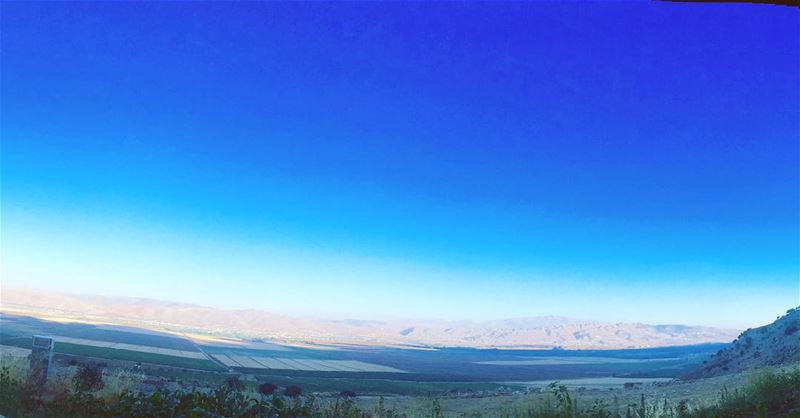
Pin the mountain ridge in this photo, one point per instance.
(527, 332)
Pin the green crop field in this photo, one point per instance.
(379, 386)
(115, 354)
(137, 356)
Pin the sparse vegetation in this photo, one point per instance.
(89, 377)
(770, 394)
(82, 397)
(234, 383)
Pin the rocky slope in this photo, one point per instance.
(771, 345)
(537, 332)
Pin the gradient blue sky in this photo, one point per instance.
(614, 161)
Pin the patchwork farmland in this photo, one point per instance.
(282, 363)
(279, 363)
(87, 340)
(132, 347)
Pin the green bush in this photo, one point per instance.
(769, 394)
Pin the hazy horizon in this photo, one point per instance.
(450, 161)
(126, 298)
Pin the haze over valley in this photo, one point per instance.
(536, 332)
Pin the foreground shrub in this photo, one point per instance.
(266, 389)
(18, 399)
(347, 394)
(770, 394)
(89, 377)
(10, 404)
(293, 391)
(234, 383)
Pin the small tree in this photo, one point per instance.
(347, 394)
(292, 391)
(266, 389)
(234, 383)
(88, 377)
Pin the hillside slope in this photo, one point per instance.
(774, 344)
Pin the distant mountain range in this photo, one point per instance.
(535, 332)
(771, 345)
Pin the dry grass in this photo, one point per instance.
(17, 366)
(118, 382)
(14, 351)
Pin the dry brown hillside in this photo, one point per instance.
(774, 344)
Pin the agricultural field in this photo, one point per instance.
(598, 382)
(465, 365)
(9, 351)
(131, 347)
(372, 370)
(570, 360)
(277, 363)
(26, 325)
(91, 341)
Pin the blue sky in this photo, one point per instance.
(611, 161)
